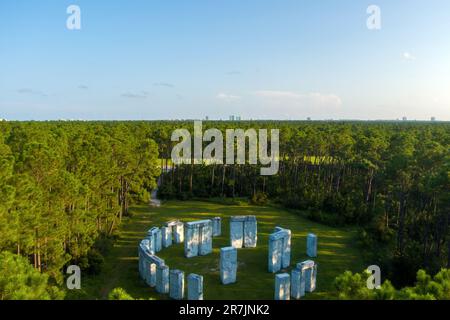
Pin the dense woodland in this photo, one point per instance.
(390, 178)
(65, 186)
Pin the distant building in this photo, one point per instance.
(235, 118)
(206, 118)
(405, 119)
(308, 119)
(433, 118)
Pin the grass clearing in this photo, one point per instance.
(337, 252)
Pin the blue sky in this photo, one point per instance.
(173, 59)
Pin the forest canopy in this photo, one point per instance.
(66, 186)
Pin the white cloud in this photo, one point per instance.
(408, 56)
(132, 95)
(227, 97)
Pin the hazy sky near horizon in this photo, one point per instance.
(260, 59)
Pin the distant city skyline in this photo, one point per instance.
(253, 59)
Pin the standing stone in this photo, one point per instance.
(195, 287)
(237, 231)
(143, 250)
(151, 237)
(275, 252)
(311, 245)
(158, 241)
(310, 281)
(146, 245)
(198, 238)
(151, 281)
(178, 232)
(228, 265)
(282, 286)
(297, 284)
(153, 262)
(279, 249)
(309, 272)
(155, 236)
(205, 235)
(286, 255)
(166, 233)
(217, 226)
(243, 231)
(191, 240)
(250, 232)
(176, 280)
(162, 279)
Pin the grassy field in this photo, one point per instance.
(336, 253)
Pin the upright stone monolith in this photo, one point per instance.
(282, 286)
(198, 238)
(309, 272)
(176, 280)
(166, 234)
(228, 265)
(178, 232)
(279, 249)
(275, 251)
(154, 234)
(297, 284)
(205, 235)
(250, 232)
(311, 245)
(237, 231)
(243, 231)
(162, 279)
(217, 226)
(195, 287)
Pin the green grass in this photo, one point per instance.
(336, 253)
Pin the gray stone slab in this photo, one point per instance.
(155, 235)
(162, 279)
(158, 241)
(166, 233)
(217, 226)
(286, 257)
(177, 228)
(228, 265)
(279, 250)
(191, 240)
(310, 279)
(250, 232)
(198, 238)
(275, 254)
(195, 287)
(237, 232)
(178, 232)
(311, 245)
(309, 272)
(282, 286)
(297, 284)
(205, 235)
(176, 279)
(151, 262)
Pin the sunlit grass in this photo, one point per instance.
(336, 252)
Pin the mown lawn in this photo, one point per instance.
(336, 253)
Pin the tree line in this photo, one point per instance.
(390, 178)
(65, 187)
